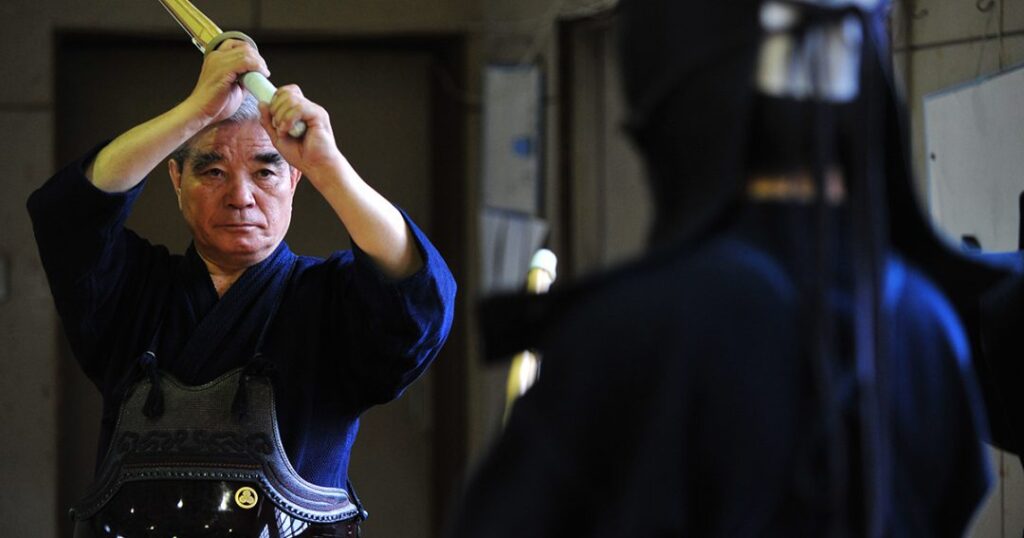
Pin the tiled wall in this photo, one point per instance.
(942, 43)
(27, 320)
(28, 333)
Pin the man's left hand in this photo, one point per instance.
(372, 221)
(317, 149)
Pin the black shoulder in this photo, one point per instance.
(698, 303)
(922, 314)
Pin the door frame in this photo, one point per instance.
(448, 177)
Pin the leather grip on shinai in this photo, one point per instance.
(255, 82)
(263, 90)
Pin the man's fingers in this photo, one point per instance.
(249, 60)
(292, 89)
(286, 120)
(277, 102)
(289, 106)
(239, 57)
(284, 101)
(284, 97)
(283, 118)
(254, 62)
(229, 44)
(268, 124)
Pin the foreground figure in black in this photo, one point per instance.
(777, 364)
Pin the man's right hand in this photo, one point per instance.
(218, 93)
(126, 161)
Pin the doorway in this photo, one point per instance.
(397, 126)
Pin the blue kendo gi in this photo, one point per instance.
(676, 399)
(997, 325)
(344, 337)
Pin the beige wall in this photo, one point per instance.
(28, 332)
(28, 336)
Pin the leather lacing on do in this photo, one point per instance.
(257, 367)
(154, 405)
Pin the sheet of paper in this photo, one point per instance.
(974, 136)
(509, 240)
(512, 137)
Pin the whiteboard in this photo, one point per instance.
(974, 139)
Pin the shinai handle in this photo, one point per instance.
(263, 90)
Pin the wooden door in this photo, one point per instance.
(381, 105)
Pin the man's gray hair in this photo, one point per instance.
(249, 110)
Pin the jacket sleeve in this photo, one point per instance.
(395, 327)
(83, 246)
(938, 405)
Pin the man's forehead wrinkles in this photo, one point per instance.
(235, 145)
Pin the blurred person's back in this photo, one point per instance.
(775, 365)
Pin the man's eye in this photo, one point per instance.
(213, 172)
(266, 173)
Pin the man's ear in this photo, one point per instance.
(175, 172)
(296, 176)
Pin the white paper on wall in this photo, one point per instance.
(509, 240)
(974, 136)
(512, 137)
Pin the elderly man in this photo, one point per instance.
(233, 376)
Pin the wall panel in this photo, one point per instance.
(28, 391)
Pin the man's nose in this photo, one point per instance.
(239, 195)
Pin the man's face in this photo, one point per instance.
(235, 192)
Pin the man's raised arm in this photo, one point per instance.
(374, 224)
(123, 163)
